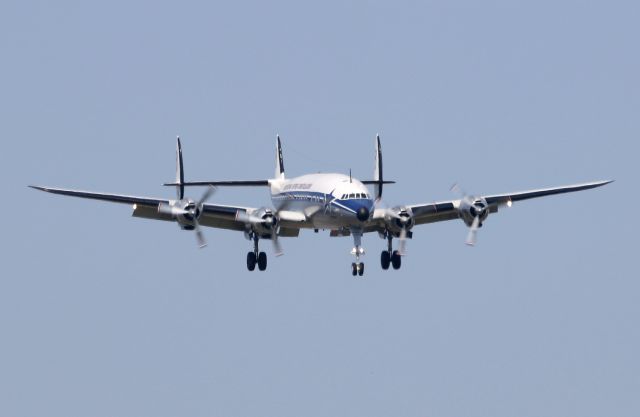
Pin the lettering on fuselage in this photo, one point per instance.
(290, 187)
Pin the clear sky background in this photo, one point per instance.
(105, 315)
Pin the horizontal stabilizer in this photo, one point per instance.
(374, 182)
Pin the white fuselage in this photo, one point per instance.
(328, 201)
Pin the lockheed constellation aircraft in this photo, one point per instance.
(335, 202)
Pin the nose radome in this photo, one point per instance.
(363, 214)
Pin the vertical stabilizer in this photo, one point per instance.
(179, 172)
(279, 160)
(377, 174)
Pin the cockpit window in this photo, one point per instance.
(352, 196)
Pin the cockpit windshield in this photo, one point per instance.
(355, 196)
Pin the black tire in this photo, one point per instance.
(396, 260)
(262, 261)
(251, 261)
(361, 269)
(354, 269)
(385, 260)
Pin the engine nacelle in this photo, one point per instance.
(264, 222)
(399, 218)
(471, 208)
(185, 212)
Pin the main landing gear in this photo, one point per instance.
(390, 257)
(256, 257)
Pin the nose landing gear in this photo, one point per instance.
(357, 268)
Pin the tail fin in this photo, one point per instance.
(179, 171)
(279, 160)
(377, 174)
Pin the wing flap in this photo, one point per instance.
(434, 212)
(149, 212)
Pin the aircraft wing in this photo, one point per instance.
(447, 210)
(218, 216)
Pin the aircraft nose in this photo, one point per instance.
(363, 214)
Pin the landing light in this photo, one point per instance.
(509, 203)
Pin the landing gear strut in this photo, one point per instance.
(390, 257)
(357, 268)
(256, 257)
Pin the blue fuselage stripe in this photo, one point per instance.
(349, 205)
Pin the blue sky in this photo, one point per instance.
(105, 315)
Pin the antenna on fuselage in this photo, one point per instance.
(350, 178)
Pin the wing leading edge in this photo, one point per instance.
(213, 215)
(447, 210)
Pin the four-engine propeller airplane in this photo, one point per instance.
(335, 202)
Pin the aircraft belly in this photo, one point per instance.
(329, 221)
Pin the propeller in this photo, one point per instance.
(476, 211)
(403, 222)
(269, 222)
(191, 211)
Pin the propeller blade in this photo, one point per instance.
(403, 242)
(202, 242)
(473, 231)
(392, 213)
(455, 188)
(207, 194)
(277, 248)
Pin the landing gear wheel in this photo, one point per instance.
(396, 260)
(385, 260)
(361, 269)
(262, 261)
(251, 261)
(354, 269)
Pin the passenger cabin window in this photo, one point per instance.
(352, 196)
